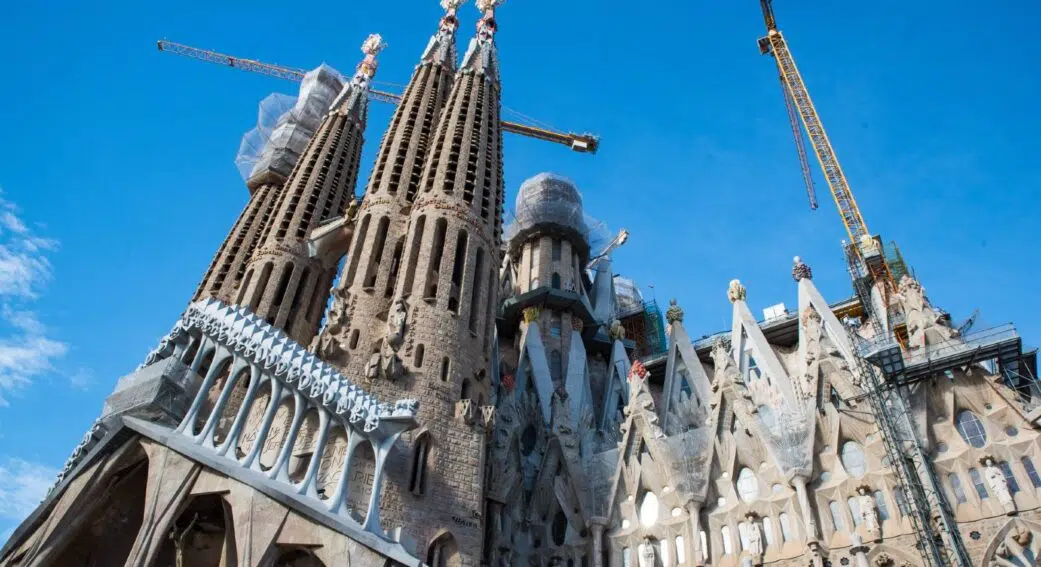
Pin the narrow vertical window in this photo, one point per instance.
(556, 249)
(265, 275)
(854, 510)
(299, 293)
(555, 366)
(417, 480)
(627, 557)
(359, 245)
(768, 530)
(555, 281)
(419, 356)
(464, 391)
(880, 501)
(446, 366)
(354, 339)
(977, 481)
(376, 254)
(395, 267)
(437, 252)
(959, 494)
(836, 515)
(1035, 479)
(786, 527)
(413, 257)
(681, 551)
(242, 289)
(475, 291)
(457, 271)
(728, 545)
(1013, 484)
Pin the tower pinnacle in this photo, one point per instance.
(357, 89)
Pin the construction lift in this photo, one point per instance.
(582, 143)
(872, 269)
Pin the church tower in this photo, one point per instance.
(266, 183)
(363, 296)
(282, 283)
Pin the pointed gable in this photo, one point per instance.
(533, 366)
(686, 396)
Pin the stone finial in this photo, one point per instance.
(801, 271)
(674, 313)
(451, 6)
(373, 44)
(638, 371)
(736, 292)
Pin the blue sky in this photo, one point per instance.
(118, 178)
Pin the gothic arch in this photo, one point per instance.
(443, 551)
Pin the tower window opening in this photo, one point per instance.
(1028, 465)
(354, 339)
(417, 480)
(395, 267)
(265, 275)
(419, 356)
(319, 298)
(437, 251)
(464, 391)
(280, 292)
(977, 481)
(372, 270)
(959, 494)
(363, 232)
(243, 287)
(446, 367)
(475, 291)
(555, 281)
(457, 271)
(413, 257)
(298, 294)
(556, 249)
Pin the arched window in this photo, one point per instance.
(836, 515)
(786, 527)
(728, 545)
(880, 501)
(1010, 478)
(443, 552)
(971, 429)
(627, 557)
(418, 476)
(853, 459)
(663, 548)
(1035, 479)
(854, 510)
(681, 552)
(959, 494)
(354, 339)
(464, 392)
(555, 281)
(977, 481)
(419, 356)
(743, 535)
(556, 249)
(446, 366)
(747, 485)
(768, 530)
(559, 528)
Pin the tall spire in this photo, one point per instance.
(357, 321)
(283, 284)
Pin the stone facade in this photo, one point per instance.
(475, 402)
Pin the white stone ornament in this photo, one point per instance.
(999, 485)
(646, 553)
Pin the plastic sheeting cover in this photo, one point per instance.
(285, 125)
(628, 298)
(549, 198)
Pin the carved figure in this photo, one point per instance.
(998, 485)
(392, 366)
(811, 337)
(755, 539)
(736, 291)
(372, 369)
(645, 553)
(617, 332)
(924, 325)
(869, 513)
(726, 373)
(396, 320)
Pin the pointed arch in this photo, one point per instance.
(420, 457)
(443, 551)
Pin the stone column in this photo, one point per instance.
(859, 552)
(694, 509)
(799, 482)
(596, 528)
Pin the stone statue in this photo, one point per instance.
(736, 292)
(869, 513)
(372, 369)
(617, 332)
(726, 373)
(811, 337)
(924, 325)
(998, 485)
(396, 323)
(645, 553)
(755, 539)
(391, 364)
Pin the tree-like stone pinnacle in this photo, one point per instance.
(801, 271)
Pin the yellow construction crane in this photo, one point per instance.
(582, 143)
(865, 248)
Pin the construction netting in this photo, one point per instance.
(550, 199)
(285, 124)
(628, 299)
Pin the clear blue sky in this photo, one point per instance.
(119, 183)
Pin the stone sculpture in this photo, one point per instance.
(924, 325)
(617, 332)
(998, 485)
(755, 539)
(736, 292)
(869, 513)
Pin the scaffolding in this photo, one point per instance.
(642, 320)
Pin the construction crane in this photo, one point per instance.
(939, 540)
(582, 143)
(621, 238)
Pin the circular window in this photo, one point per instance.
(1011, 431)
(721, 502)
(853, 459)
(971, 429)
(676, 512)
(625, 524)
(747, 485)
(941, 447)
(777, 489)
(528, 440)
(649, 510)
(825, 477)
(988, 407)
(559, 528)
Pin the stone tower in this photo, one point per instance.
(363, 297)
(282, 283)
(441, 322)
(266, 183)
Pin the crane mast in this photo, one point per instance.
(939, 539)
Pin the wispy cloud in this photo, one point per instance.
(23, 485)
(26, 349)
